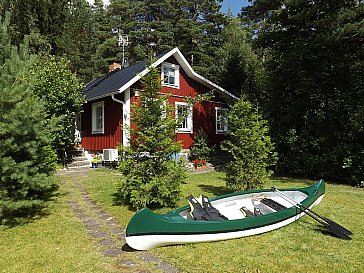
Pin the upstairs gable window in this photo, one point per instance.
(170, 75)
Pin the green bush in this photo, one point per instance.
(249, 147)
(60, 89)
(149, 183)
(26, 157)
(200, 149)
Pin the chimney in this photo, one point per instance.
(113, 66)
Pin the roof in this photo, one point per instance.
(118, 81)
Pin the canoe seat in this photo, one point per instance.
(272, 204)
(204, 211)
(197, 212)
(214, 212)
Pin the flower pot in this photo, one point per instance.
(200, 167)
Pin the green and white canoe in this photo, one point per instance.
(147, 229)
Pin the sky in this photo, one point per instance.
(235, 5)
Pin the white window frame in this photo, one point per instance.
(175, 67)
(189, 128)
(94, 118)
(218, 120)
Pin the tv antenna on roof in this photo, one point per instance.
(123, 41)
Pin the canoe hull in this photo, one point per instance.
(146, 242)
(173, 229)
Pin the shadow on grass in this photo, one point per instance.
(127, 248)
(283, 179)
(13, 221)
(10, 218)
(316, 227)
(215, 190)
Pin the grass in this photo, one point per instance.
(54, 243)
(303, 246)
(59, 243)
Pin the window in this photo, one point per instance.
(221, 120)
(170, 75)
(98, 118)
(183, 109)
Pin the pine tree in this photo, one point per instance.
(41, 20)
(106, 35)
(201, 50)
(152, 178)
(240, 70)
(314, 68)
(78, 40)
(26, 156)
(157, 27)
(250, 148)
(151, 29)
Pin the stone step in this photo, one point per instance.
(79, 163)
(79, 167)
(79, 158)
(74, 153)
(74, 170)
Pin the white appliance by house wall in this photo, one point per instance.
(110, 155)
(126, 117)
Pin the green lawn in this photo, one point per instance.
(58, 242)
(54, 243)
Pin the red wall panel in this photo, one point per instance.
(112, 122)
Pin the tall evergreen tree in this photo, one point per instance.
(41, 20)
(116, 20)
(106, 37)
(26, 156)
(315, 53)
(240, 70)
(258, 18)
(151, 177)
(206, 37)
(78, 40)
(156, 27)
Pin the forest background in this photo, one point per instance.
(300, 62)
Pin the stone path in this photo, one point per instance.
(109, 238)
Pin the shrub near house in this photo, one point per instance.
(150, 178)
(250, 148)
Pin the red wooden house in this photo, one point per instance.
(109, 99)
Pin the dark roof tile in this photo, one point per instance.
(112, 81)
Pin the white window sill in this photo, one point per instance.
(97, 132)
(181, 131)
(170, 85)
